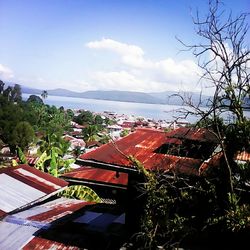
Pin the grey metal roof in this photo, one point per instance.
(14, 236)
(23, 186)
(63, 224)
(15, 194)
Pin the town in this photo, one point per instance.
(75, 178)
(74, 175)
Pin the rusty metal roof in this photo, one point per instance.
(193, 134)
(63, 224)
(243, 156)
(23, 185)
(143, 144)
(97, 175)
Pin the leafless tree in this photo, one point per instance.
(224, 59)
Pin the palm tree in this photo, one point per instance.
(44, 94)
(90, 133)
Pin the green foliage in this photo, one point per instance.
(90, 133)
(70, 113)
(53, 168)
(21, 156)
(52, 149)
(237, 136)
(44, 94)
(98, 120)
(85, 117)
(124, 132)
(35, 99)
(23, 135)
(40, 164)
(16, 93)
(81, 193)
(177, 209)
(10, 115)
(235, 219)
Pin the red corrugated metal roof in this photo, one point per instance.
(35, 178)
(193, 134)
(243, 156)
(25, 185)
(143, 144)
(98, 175)
(59, 210)
(32, 160)
(214, 161)
(38, 243)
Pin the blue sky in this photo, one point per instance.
(101, 44)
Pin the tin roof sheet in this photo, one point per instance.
(23, 185)
(143, 144)
(62, 224)
(14, 236)
(243, 156)
(194, 134)
(98, 175)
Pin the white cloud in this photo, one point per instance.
(120, 48)
(121, 80)
(142, 74)
(131, 55)
(5, 73)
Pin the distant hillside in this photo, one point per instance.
(167, 97)
(173, 98)
(124, 96)
(64, 92)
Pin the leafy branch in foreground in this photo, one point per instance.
(80, 192)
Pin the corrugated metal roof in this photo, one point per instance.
(143, 144)
(14, 236)
(23, 185)
(45, 214)
(63, 224)
(243, 156)
(18, 231)
(38, 243)
(194, 134)
(97, 175)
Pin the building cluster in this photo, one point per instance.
(33, 216)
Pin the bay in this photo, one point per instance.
(150, 111)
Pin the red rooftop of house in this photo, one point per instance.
(147, 146)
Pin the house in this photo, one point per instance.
(114, 131)
(109, 171)
(33, 217)
(74, 142)
(182, 150)
(23, 186)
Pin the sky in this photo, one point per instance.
(83, 45)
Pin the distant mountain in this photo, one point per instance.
(64, 92)
(174, 97)
(167, 97)
(123, 96)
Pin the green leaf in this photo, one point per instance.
(53, 164)
(40, 162)
(81, 192)
(21, 156)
